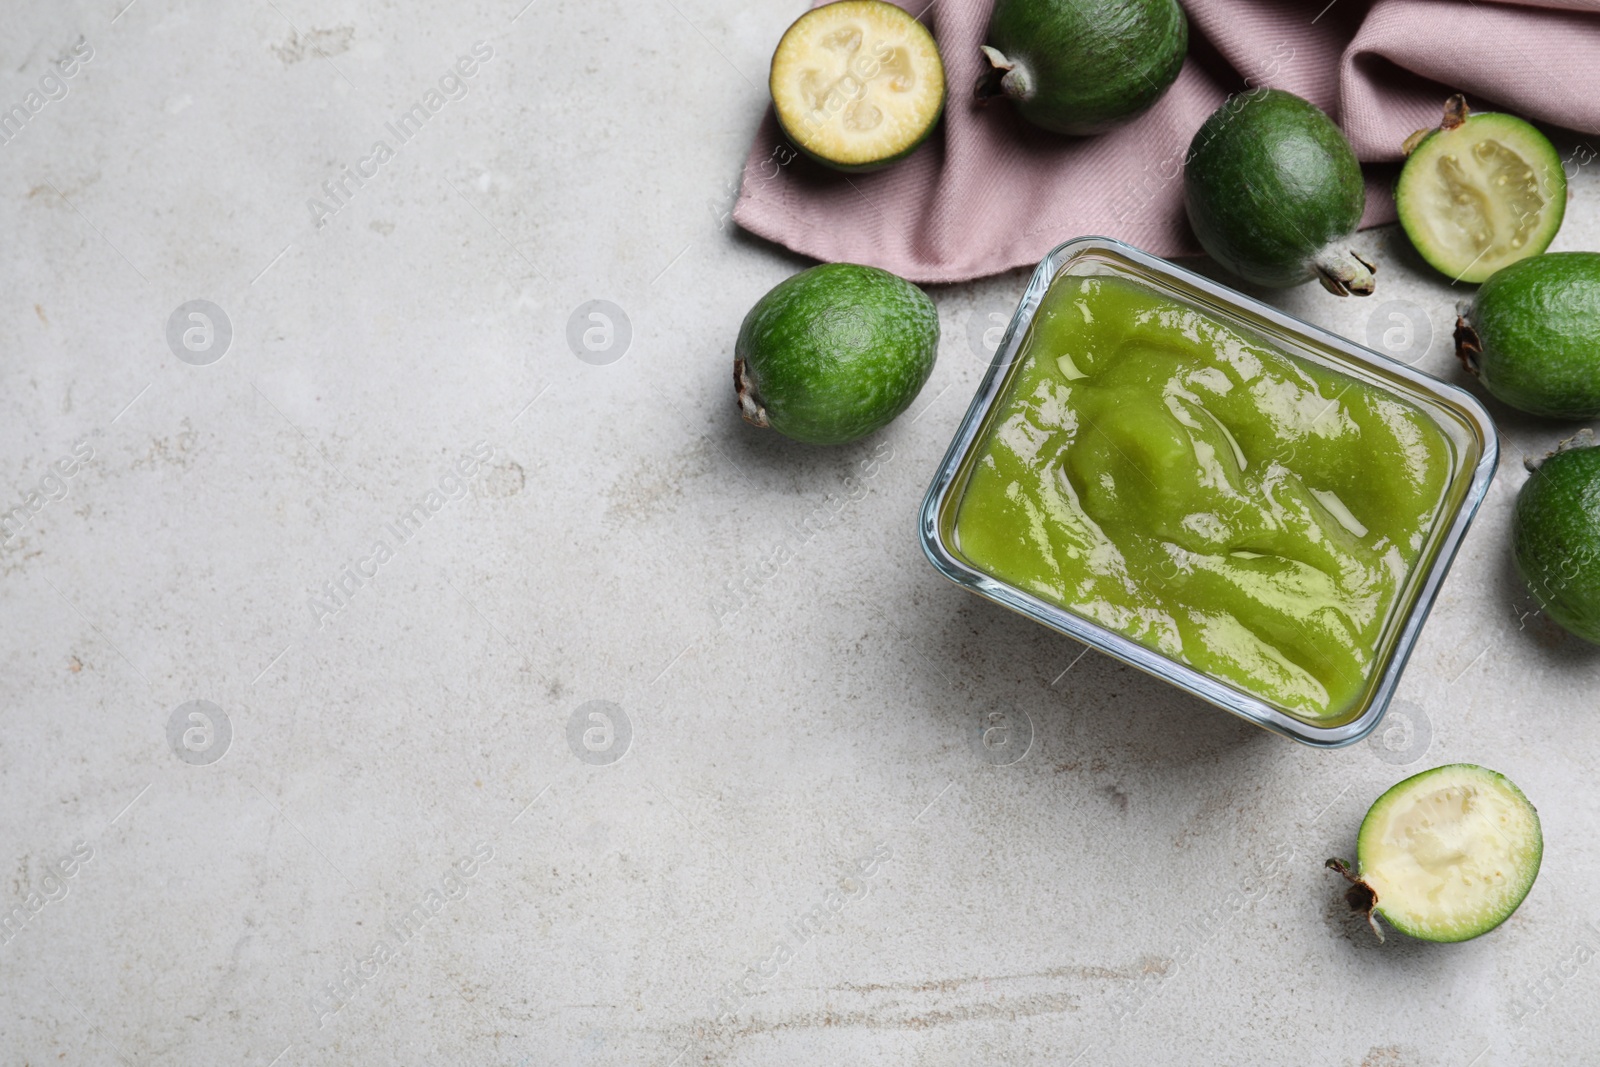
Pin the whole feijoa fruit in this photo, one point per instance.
(1274, 192)
(1530, 335)
(1555, 538)
(1083, 66)
(1446, 855)
(1480, 192)
(834, 353)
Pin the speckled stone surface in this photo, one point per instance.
(553, 716)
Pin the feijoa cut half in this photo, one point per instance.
(1530, 333)
(834, 353)
(1446, 855)
(1083, 66)
(1480, 192)
(1274, 192)
(1555, 538)
(857, 84)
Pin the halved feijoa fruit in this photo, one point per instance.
(1083, 66)
(1274, 192)
(1480, 192)
(857, 84)
(1446, 855)
(834, 353)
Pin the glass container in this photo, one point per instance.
(1462, 419)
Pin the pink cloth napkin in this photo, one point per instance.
(989, 192)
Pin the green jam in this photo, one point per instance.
(1188, 485)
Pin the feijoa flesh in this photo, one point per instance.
(1083, 66)
(1446, 855)
(1532, 335)
(834, 353)
(1555, 538)
(1274, 193)
(857, 84)
(1480, 192)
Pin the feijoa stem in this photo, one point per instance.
(1584, 438)
(749, 404)
(1468, 345)
(1344, 273)
(1455, 113)
(1005, 77)
(1360, 896)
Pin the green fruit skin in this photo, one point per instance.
(1378, 805)
(1093, 64)
(837, 351)
(1538, 322)
(1269, 183)
(1555, 538)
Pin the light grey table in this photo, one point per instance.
(804, 854)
